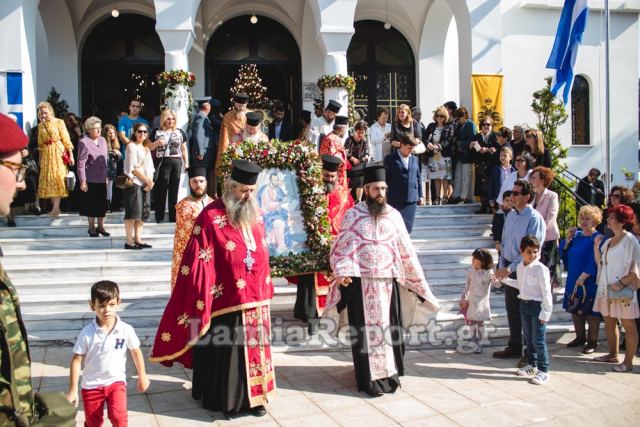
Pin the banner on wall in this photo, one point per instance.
(486, 98)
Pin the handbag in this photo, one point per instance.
(123, 182)
(580, 304)
(70, 181)
(66, 157)
(624, 295)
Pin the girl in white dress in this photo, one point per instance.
(474, 301)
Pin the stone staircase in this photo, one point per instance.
(53, 263)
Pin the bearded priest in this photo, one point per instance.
(375, 267)
(218, 320)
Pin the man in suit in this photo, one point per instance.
(279, 129)
(591, 189)
(403, 179)
(201, 132)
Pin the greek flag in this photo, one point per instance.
(565, 48)
(11, 94)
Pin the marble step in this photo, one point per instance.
(78, 231)
(161, 270)
(64, 220)
(76, 256)
(58, 243)
(448, 220)
(469, 243)
(448, 209)
(426, 232)
(430, 257)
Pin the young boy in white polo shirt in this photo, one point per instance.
(536, 305)
(102, 345)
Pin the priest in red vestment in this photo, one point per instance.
(312, 289)
(375, 267)
(217, 320)
(187, 210)
(333, 145)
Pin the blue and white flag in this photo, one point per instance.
(11, 95)
(565, 48)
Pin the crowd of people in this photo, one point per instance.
(217, 320)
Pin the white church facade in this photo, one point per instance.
(419, 52)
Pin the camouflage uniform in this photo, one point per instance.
(16, 395)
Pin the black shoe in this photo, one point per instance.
(103, 232)
(159, 221)
(142, 245)
(259, 411)
(35, 210)
(11, 222)
(508, 353)
(93, 233)
(312, 328)
(590, 347)
(128, 246)
(454, 201)
(576, 342)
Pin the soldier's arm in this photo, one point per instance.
(74, 377)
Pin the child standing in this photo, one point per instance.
(102, 345)
(475, 297)
(536, 305)
(497, 224)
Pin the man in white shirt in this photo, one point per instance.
(323, 125)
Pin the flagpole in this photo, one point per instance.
(607, 125)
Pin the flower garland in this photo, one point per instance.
(303, 159)
(346, 82)
(169, 82)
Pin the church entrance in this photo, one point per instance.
(121, 58)
(381, 62)
(267, 44)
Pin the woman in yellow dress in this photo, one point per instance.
(53, 141)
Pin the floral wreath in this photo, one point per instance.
(302, 158)
(346, 82)
(169, 82)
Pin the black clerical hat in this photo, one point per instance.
(306, 115)
(245, 172)
(254, 118)
(334, 106)
(195, 171)
(330, 163)
(342, 120)
(375, 173)
(241, 98)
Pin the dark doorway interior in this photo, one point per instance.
(267, 44)
(120, 60)
(382, 63)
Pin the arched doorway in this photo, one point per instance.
(120, 60)
(267, 44)
(382, 63)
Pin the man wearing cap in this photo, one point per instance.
(333, 145)
(232, 123)
(312, 289)
(323, 125)
(217, 320)
(252, 130)
(317, 108)
(187, 210)
(201, 134)
(375, 266)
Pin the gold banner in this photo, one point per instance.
(486, 98)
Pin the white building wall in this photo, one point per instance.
(311, 55)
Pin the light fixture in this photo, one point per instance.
(115, 12)
(253, 19)
(387, 25)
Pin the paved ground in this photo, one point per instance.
(440, 388)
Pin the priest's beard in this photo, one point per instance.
(198, 193)
(377, 205)
(241, 213)
(329, 187)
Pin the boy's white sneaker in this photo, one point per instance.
(541, 378)
(526, 370)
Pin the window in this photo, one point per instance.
(580, 134)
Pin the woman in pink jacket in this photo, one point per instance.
(547, 205)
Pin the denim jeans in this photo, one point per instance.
(534, 333)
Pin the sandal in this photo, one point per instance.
(622, 368)
(607, 358)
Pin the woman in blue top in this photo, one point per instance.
(579, 256)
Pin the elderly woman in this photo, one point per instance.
(547, 205)
(404, 123)
(535, 145)
(92, 174)
(579, 257)
(438, 138)
(379, 134)
(619, 262)
(53, 144)
(138, 165)
(174, 158)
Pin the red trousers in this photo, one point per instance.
(93, 401)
